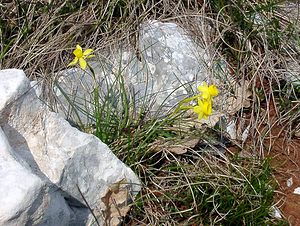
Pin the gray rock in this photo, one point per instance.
(66, 160)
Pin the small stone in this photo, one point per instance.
(289, 182)
(297, 191)
(245, 133)
(276, 212)
(231, 130)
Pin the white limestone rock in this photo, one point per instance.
(57, 152)
(25, 198)
(13, 87)
(297, 191)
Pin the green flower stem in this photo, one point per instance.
(96, 101)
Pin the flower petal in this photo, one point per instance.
(197, 109)
(213, 91)
(203, 87)
(73, 62)
(205, 95)
(200, 116)
(78, 53)
(207, 107)
(78, 47)
(82, 63)
(87, 52)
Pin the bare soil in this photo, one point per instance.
(283, 149)
(285, 162)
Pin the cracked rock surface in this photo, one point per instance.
(46, 166)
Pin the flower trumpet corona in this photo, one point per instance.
(203, 109)
(81, 56)
(208, 92)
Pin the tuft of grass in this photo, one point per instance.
(200, 189)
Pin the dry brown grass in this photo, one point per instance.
(38, 37)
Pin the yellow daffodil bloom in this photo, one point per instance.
(204, 101)
(203, 109)
(207, 92)
(81, 56)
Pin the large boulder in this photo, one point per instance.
(25, 198)
(79, 166)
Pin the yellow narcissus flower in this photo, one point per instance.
(203, 109)
(207, 92)
(204, 101)
(81, 56)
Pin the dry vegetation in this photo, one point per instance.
(258, 41)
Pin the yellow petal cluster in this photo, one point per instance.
(81, 56)
(208, 92)
(204, 100)
(203, 108)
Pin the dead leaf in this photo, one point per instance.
(191, 142)
(178, 147)
(116, 203)
(212, 120)
(240, 99)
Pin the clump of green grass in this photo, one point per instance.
(197, 187)
(201, 189)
